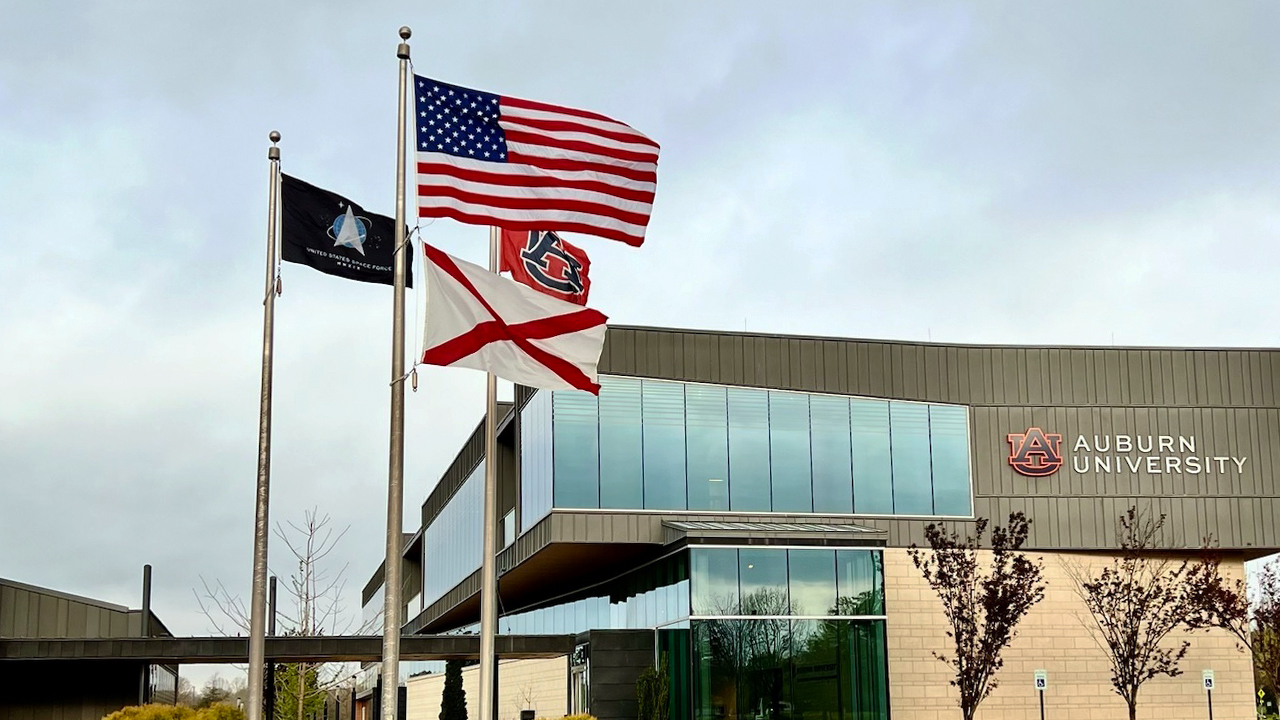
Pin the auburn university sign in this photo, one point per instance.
(1035, 453)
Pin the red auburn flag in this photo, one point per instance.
(488, 159)
(547, 263)
(480, 320)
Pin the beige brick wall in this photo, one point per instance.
(541, 685)
(1053, 637)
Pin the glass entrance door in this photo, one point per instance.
(578, 687)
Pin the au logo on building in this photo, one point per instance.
(1035, 453)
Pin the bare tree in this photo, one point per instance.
(1136, 602)
(314, 606)
(983, 608)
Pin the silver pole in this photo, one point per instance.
(488, 569)
(258, 600)
(395, 478)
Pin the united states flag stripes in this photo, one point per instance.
(488, 159)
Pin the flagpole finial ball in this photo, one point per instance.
(275, 136)
(405, 32)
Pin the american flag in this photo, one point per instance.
(489, 159)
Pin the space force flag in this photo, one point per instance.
(335, 236)
(547, 263)
(476, 319)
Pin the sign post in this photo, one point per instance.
(1207, 678)
(1042, 684)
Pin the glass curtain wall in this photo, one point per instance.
(660, 445)
(805, 638)
(455, 538)
(535, 460)
(748, 633)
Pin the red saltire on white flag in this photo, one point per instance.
(476, 319)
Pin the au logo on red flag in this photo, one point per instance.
(547, 263)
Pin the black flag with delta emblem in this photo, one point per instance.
(335, 236)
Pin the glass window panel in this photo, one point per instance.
(832, 454)
(749, 449)
(621, 461)
(535, 459)
(662, 408)
(715, 672)
(949, 444)
(792, 484)
(863, 670)
(682, 599)
(815, 662)
(872, 471)
(861, 582)
(575, 452)
(811, 577)
(912, 478)
(707, 417)
(509, 528)
(455, 536)
(714, 581)
(764, 664)
(674, 654)
(762, 578)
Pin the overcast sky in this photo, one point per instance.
(1083, 173)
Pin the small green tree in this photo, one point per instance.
(298, 692)
(653, 692)
(215, 691)
(453, 701)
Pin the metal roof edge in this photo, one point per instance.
(66, 596)
(924, 343)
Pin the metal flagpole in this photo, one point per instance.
(488, 574)
(258, 599)
(395, 477)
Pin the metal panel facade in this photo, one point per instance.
(30, 612)
(1220, 407)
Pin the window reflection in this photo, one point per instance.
(860, 582)
(662, 410)
(707, 433)
(786, 669)
(832, 454)
(872, 468)
(455, 538)
(535, 460)
(621, 463)
(575, 453)
(749, 449)
(812, 581)
(789, 460)
(762, 574)
(909, 439)
(715, 581)
(949, 444)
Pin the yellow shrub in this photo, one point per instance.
(220, 711)
(153, 712)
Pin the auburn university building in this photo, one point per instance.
(736, 509)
